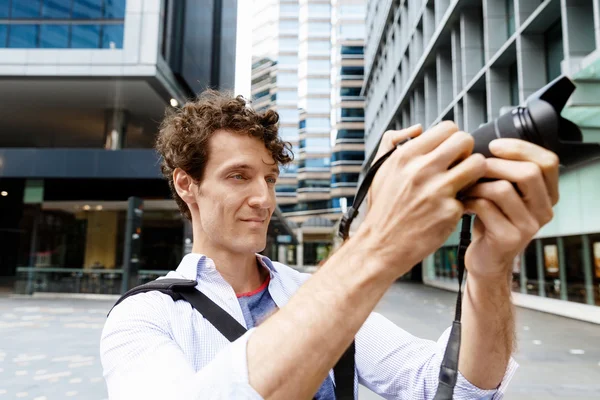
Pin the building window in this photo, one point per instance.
(352, 9)
(287, 115)
(54, 36)
(345, 177)
(510, 17)
(354, 50)
(350, 134)
(353, 113)
(319, 27)
(23, 36)
(319, 9)
(288, 8)
(318, 105)
(348, 155)
(313, 183)
(85, 36)
(316, 123)
(354, 72)
(350, 92)
(514, 85)
(315, 163)
(285, 189)
(554, 50)
(287, 79)
(62, 24)
(352, 31)
(315, 145)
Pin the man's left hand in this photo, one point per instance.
(506, 219)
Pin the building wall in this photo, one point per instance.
(471, 61)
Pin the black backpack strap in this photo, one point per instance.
(343, 372)
(219, 318)
(168, 286)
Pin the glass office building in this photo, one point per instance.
(83, 87)
(428, 61)
(308, 57)
(77, 24)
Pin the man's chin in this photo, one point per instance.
(253, 246)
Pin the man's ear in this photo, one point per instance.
(185, 186)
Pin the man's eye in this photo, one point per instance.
(272, 180)
(238, 177)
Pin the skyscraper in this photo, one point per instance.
(308, 59)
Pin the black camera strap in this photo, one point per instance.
(449, 368)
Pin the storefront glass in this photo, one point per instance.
(563, 268)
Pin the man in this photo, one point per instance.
(221, 160)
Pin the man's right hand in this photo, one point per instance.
(413, 205)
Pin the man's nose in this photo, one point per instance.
(261, 196)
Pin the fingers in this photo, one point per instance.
(391, 139)
(521, 150)
(431, 138)
(494, 221)
(530, 181)
(503, 194)
(466, 173)
(456, 148)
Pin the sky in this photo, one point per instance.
(243, 48)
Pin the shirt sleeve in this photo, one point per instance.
(142, 361)
(397, 365)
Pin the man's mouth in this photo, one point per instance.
(255, 220)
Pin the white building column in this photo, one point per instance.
(115, 129)
(299, 249)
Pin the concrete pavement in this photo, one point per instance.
(49, 348)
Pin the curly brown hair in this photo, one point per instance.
(184, 133)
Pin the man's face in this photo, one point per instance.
(237, 193)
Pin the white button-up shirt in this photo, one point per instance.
(155, 348)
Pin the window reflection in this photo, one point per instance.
(3, 35)
(23, 36)
(114, 9)
(85, 36)
(569, 266)
(54, 36)
(4, 8)
(87, 9)
(107, 33)
(25, 9)
(112, 36)
(58, 9)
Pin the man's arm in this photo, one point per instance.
(488, 332)
(309, 334)
(510, 210)
(414, 210)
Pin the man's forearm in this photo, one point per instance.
(291, 354)
(488, 331)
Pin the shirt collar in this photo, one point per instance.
(194, 264)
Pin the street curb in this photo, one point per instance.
(561, 308)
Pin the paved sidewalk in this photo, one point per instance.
(49, 347)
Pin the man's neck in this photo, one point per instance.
(241, 271)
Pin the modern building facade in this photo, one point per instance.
(471, 61)
(308, 57)
(84, 85)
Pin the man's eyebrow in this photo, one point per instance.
(274, 169)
